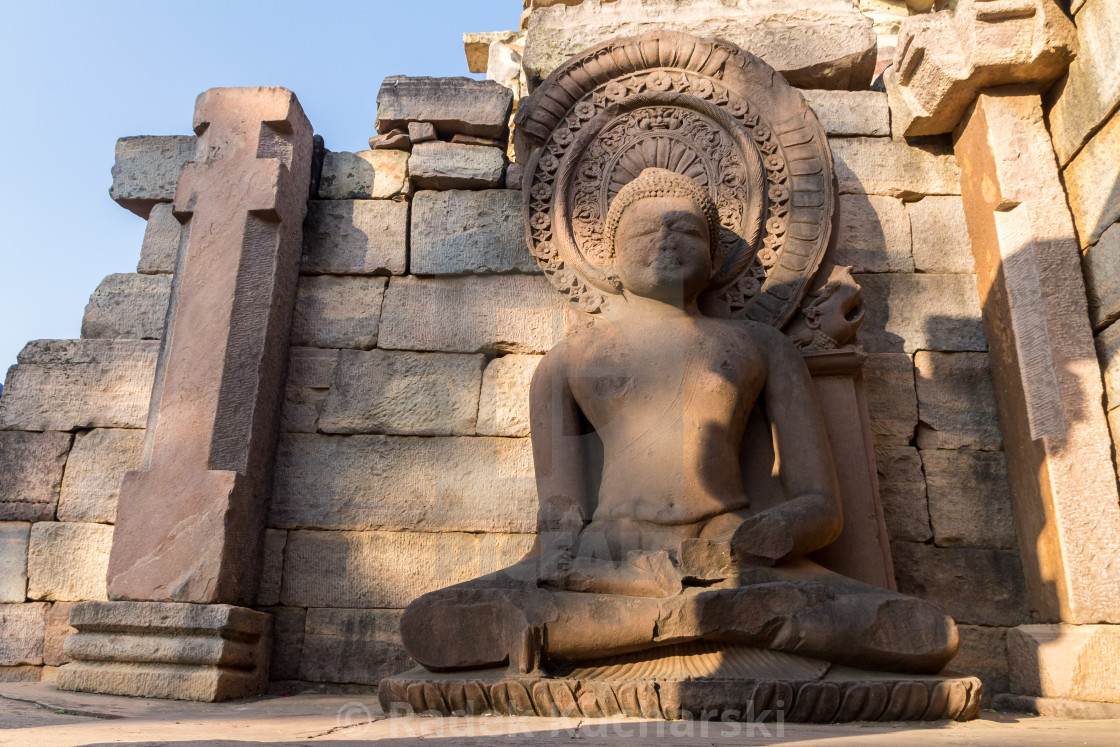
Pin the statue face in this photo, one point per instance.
(662, 249)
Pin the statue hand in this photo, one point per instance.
(763, 539)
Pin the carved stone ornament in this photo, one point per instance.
(700, 107)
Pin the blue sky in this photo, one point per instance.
(75, 76)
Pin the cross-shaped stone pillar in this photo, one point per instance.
(190, 524)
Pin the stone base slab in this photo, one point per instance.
(1056, 707)
(1066, 662)
(842, 695)
(204, 652)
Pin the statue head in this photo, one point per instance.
(662, 236)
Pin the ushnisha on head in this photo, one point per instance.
(662, 235)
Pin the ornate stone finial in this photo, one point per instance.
(655, 182)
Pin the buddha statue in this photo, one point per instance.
(647, 533)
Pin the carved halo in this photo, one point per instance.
(701, 107)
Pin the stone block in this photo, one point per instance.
(1091, 91)
(873, 234)
(146, 170)
(365, 569)
(21, 674)
(969, 500)
(453, 105)
(63, 385)
(68, 561)
(476, 46)
(365, 175)
(1101, 264)
(503, 407)
(984, 654)
(892, 401)
(94, 471)
(310, 373)
(880, 166)
(851, 113)
(439, 165)
(14, 536)
(128, 306)
(58, 629)
(203, 652)
(348, 645)
(23, 627)
(1108, 353)
(404, 393)
(973, 586)
(462, 231)
(956, 402)
(1075, 662)
(500, 314)
(906, 313)
(31, 467)
(400, 483)
(827, 45)
(160, 248)
(941, 243)
(338, 311)
(1091, 179)
(287, 641)
(272, 569)
(902, 490)
(355, 237)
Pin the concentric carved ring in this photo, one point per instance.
(700, 107)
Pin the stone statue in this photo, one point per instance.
(669, 549)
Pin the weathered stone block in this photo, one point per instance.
(941, 242)
(906, 313)
(902, 490)
(287, 641)
(128, 306)
(506, 314)
(310, 373)
(827, 45)
(440, 165)
(146, 170)
(969, 501)
(974, 587)
(272, 569)
(892, 401)
(453, 105)
(503, 408)
(422, 132)
(984, 654)
(13, 560)
(332, 569)
(880, 166)
(355, 237)
(160, 248)
(338, 312)
(1108, 353)
(22, 674)
(1101, 264)
(347, 645)
(367, 174)
(419, 394)
(400, 483)
(956, 402)
(851, 112)
(873, 234)
(31, 467)
(63, 385)
(205, 652)
(23, 627)
(58, 629)
(1090, 178)
(1091, 90)
(94, 471)
(1076, 662)
(68, 561)
(459, 231)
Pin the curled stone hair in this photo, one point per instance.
(654, 182)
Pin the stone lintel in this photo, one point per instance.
(945, 59)
(1044, 367)
(191, 522)
(205, 652)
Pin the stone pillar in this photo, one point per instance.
(1048, 390)
(190, 526)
